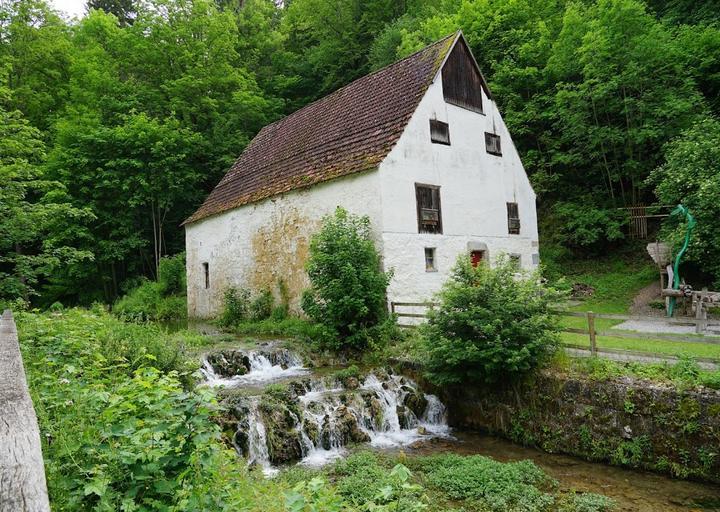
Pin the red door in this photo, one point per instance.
(476, 257)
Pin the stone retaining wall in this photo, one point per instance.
(624, 421)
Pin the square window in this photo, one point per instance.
(428, 209)
(430, 263)
(439, 132)
(492, 144)
(516, 260)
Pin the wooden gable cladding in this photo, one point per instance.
(462, 82)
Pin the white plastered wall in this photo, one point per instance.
(257, 244)
(474, 189)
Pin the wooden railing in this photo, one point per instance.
(22, 474)
(593, 333)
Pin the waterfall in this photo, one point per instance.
(257, 448)
(232, 368)
(315, 419)
(384, 411)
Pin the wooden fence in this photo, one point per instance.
(592, 333)
(22, 474)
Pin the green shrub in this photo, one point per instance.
(171, 276)
(261, 307)
(360, 477)
(122, 430)
(495, 486)
(490, 324)
(147, 302)
(163, 299)
(588, 502)
(351, 372)
(584, 226)
(236, 304)
(348, 287)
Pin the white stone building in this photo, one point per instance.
(418, 146)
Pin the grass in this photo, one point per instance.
(651, 346)
(616, 281)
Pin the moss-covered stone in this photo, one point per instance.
(623, 421)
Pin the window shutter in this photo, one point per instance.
(513, 216)
(492, 144)
(439, 132)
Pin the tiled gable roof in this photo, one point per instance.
(351, 130)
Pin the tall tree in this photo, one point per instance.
(124, 10)
(38, 225)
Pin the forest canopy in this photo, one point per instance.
(118, 124)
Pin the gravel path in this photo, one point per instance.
(662, 327)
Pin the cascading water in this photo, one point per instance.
(234, 368)
(316, 418)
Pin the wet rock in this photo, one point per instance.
(312, 430)
(406, 417)
(352, 383)
(415, 401)
(422, 431)
(228, 363)
(342, 429)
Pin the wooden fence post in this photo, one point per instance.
(591, 332)
(22, 473)
(700, 313)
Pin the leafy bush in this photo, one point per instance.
(236, 304)
(121, 434)
(490, 324)
(313, 496)
(163, 299)
(262, 306)
(147, 302)
(495, 486)
(171, 276)
(581, 225)
(588, 502)
(360, 477)
(348, 287)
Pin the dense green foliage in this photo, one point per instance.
(141, 107)
(348, 286)
(38, 224)
(491, 324)
(125, 429)
(161, 300)
(690, 176)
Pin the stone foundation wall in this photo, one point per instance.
(624, 422)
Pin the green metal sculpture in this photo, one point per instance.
(680, 210)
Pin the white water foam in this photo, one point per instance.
(262, 371)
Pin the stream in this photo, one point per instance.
(318, 417)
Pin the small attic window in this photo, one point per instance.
(492, 144)
(439, 132)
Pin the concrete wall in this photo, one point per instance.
(475, 187)
(257, 244)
